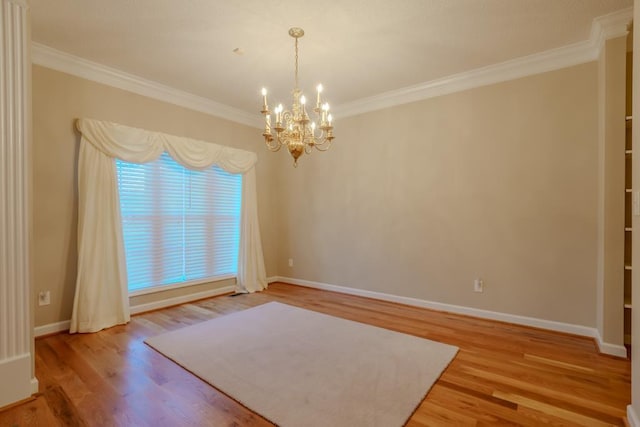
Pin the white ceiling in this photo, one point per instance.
(356, 48)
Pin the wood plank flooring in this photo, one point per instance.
(503, 374)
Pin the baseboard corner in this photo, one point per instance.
(632, 417)
(610, 349)
(35, 385)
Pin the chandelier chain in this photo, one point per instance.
(296, 63)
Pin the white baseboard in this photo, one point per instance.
(632, 417)
(141, 308)
(606, 348)
(569, 328)
(16, 375)
(610, 349)
(35, 385)
(51, 328)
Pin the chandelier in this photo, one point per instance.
(293, 128)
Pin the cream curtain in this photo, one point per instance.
(101, 298)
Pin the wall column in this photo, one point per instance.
(16, 331)
(611, 195)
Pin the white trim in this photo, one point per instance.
(610, 349)
(61, 61)
(15, 371)
(51, 328)
(141, 308)
(610, 26)
(16, 358)
(273, 279)
(550, 60)
(162, 288)
(469, 311)
(603, 28)
(35, 385)
(632, 417)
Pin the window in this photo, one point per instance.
(179, 225)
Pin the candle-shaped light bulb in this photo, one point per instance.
(329, 118)
(303, 101)
(278, 113)
(319, 88)
(323, 117)
(264, 99)
(313, 126)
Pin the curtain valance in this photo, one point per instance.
(142, 146)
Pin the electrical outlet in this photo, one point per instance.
(290, 262)
(478, 285)
(44, 298)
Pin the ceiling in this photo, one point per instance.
(356, 48)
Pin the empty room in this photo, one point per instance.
(338, 213)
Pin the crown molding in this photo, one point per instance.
(610, 26)
(80, 67)
(603, 28)
(509, 70)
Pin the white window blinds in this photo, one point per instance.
(179, 225)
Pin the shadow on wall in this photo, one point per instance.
(71, 265)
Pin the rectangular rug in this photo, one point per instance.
(296, 367)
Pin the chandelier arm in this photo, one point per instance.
(322, 139)
(324, 146)
(274, 146)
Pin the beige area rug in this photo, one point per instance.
(297, 367)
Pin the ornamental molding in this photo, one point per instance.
(603, 28)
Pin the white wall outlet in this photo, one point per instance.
(290, 262)
(478, 285)
(44, 298)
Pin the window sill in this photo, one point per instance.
(162, 288)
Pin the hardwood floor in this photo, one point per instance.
(503, 374)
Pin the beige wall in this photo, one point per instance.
(498, 182)
(58, 99)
